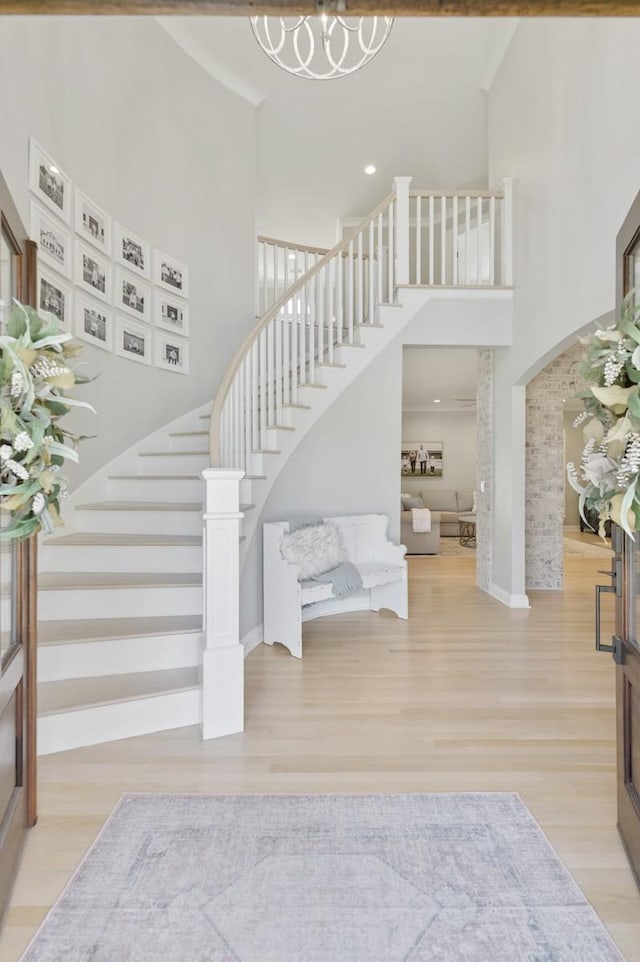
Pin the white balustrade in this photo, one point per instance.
(278, 265)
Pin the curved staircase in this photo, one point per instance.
(122, 647)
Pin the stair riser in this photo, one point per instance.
(177, 463)
(190, 442)
(151, 489)
(139, 522)
(106, 723)
(115, 602)
(120, 656)
(181, 559)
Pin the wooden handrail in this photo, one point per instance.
(498, 194)
(302, 248)
(216, 410)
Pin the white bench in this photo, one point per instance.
(288, 601)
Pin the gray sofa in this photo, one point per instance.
(420, 542)
(447, 506)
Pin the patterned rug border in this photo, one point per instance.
(126, 796)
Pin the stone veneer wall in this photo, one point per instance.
(545, 468)
(484, 467)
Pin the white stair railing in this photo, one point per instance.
(322, 310)
(279, 264)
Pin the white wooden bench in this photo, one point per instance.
(288, 601)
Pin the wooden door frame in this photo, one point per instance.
(408, 8)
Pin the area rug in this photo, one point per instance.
(322, 878)
(583, 549)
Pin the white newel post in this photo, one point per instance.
(507, 232)
(401, 189)
(222, 671)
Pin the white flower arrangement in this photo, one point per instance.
(608, 476)
(34, 378)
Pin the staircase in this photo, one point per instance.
(122, 649)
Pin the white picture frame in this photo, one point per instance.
(93, 322)
(171, 313)
(53, 239)
(132, 340)
(170, 274)
(91, 223)
(55, 296)
(49, 183)
(92, 272)
(132, 295)
(131, 251)
(171, 353)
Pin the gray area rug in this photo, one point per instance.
(322, 878)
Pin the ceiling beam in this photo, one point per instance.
(408, 8)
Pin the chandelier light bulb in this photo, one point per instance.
(321, 48)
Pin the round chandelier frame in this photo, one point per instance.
(321, 48)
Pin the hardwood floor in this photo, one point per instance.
(466, 696)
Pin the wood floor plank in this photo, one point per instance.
(465, 696)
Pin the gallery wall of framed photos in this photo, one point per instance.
(106, 284)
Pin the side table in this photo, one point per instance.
(467, 530)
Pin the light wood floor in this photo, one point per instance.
(466, 696)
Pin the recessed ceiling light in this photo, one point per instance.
(53, 169)
(437, 400)
(369, 169)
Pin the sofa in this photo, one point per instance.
(446, 507)
(420, 542)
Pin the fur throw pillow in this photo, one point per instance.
(315, 548)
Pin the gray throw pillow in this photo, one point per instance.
(414, 503)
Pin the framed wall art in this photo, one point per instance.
(171, 353)
(93, 322)
(92, 272)
(48, 182)
(92, 224)
(132, 296)
(132, 340)
(170, 313)
(170, 274)
(55, 296)
(131, 251)
(52, 238)
(422, 458)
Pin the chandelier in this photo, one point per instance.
(321, 48)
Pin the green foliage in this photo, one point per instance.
(34, 377)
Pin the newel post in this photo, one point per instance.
(507, 232)
(401, 189)
(222, 669)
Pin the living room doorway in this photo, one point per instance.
(438, 455)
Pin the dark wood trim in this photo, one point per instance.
(626, 237)
(407, 8)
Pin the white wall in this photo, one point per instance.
(457, 432)
(170, 154)
(570, 135)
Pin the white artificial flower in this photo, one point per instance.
(22, 442)
(597, 467)
(38, 503)
(5, 452)
(17, 469)
(17, 384)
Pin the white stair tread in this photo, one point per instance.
(188, 434)
(77, 693)
(99, 539)
(105, 629)
(172, 454)
(141, 506)
(54, 580)
(156, 477)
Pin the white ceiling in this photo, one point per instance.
(447, 373)
(419, 108)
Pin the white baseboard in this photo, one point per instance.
(511, 601)
(252, 639)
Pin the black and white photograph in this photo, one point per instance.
(133, 296)
(170, 274)
(93, 322)
(171, 314)
(54, 296)
(48, 182)
(131, 251)
(171, 353)
(133, 340)
(53, 240)
(91, 223)
(422, 458)
(92, 272)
